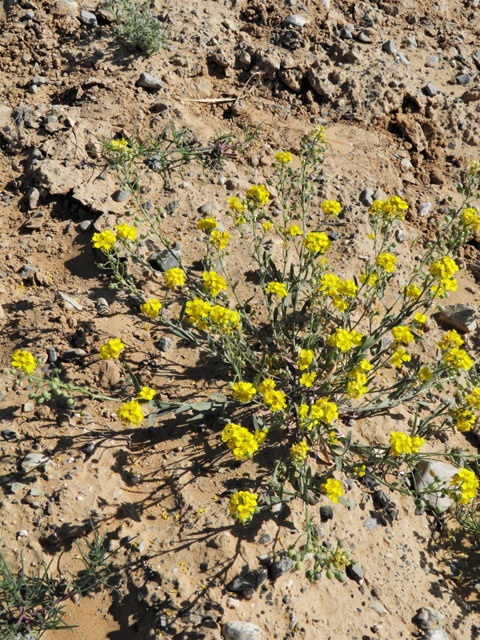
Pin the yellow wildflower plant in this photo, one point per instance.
(470, 218)
(473, 398)
(174, 277)
(317, 242)
(299, 452)
(207, 224)
(458, 359)
(267, 226)
(266, 385)
(112, 349)
(278, 288)
(401, 444)
(258, 195)
(333, 489)
(236, 205)
(224, 320)
(241, 442)
(130, 413)
(450, 339)
(390, 209)
(283, 157)
(220, 239)
(24, 360)
(399, 357)
(345, 340)
(372, 280)
(120, 145)
(402, 335)
(413, 291)
(125, 232)
(464, 485)
(293, 230)
(275, 400)
(305, 359)
(387, 261)
(329, 284)
(444, 268)
(243, 391)
(331, 208)
(425, 374)
(420, 318)
(197, 311)
(104, 240)
(213, 283)
(464, 419)
(243, 504)
(307, 379)
(151, 308)
(146, 394)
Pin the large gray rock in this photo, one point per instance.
(279, 567)
(148, 81)
(34, 460)
(436, 634)
(425, 474)
(459, 316)
(239, 630)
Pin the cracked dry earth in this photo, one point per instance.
(397, 87)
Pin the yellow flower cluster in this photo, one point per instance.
(333, 489)
(473, 168)
(267, 226)
(213, 283)
(345, 340)
(24, 360)
(425, 374)
(197, 311)
(473, 399)
(258, 195)
(207, 224)
(299, 452)
(276, 400)
(387, 261)
(146, 394)
(224, 319)
(277, 288)
(240, 441)
(470, 218)
(357, 388)
(307, 379)
(236, 205)
(119, 145)
(391, 209)
(401, 444)
(372, 281)
(444, 269)
(450, 339)
(413, 291)
(283, 157)
(125, 232)
(243, 505)
(243, 391)
(317, 242)
(220, 238)
(266, 385)
(464, 419)
(464, 486)
(293, 230)
(399, 357)
(112, 349)
(151, 308)
(174, 278)
(458, 359)
(104, 240)
(421, 318)
(336, 288)
(305, 359)
(331, 208)
(402, 335)
(323, 410)
(130, 413)
(317, 134)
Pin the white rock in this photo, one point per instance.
(69, 300)
(33, 460)
(425, 474)
(424, 209)
(238, 630)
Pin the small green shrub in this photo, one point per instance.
(137, 26)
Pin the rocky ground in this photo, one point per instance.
(397, 86)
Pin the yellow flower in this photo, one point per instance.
(425, 374)
(331, 208)
(413, 291)
(266, 385)
(283, 157)
(24, 360)
(213, 283)
(112, 349)
(207, 224)
(401, 444)
(174, 278)
(464, 486)
(277, 288)
(151, 308)
(387, 261)
(305, 359)
(316, 242)
(299, 452)
(119, 145)
(130, 413)
(267, 226)
(444, 268)
(104, 240)
(465, 419)
(359, 470)
(370, 236)
(197, 310)
(243, 505)
(420, 318)
(236, 205)
(276, 400)
(243, 391)
(347, 288)
(399, 357)
(372, 281)
(473, 168)
(240, 441)
(332, 437)
(329, 284)
(318, 135)
(258, 195)
(308, 379)
(323, 410)
(345, 340)
(293, 230)
(224, 319)
(333, 489)
(146, 394)
(470, 218)
(402, 335)
(458, 358)
(390, 209)
(473, 398)
(125, 232)
(449, 340)
(357, 388)
(220, 239)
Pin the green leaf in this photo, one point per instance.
(218, 397)
(182, 408)
(348, 442)
(133, 377)
(347, 503)
(339, 462)
(260, 371)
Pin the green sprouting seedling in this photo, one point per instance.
(137, 26)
